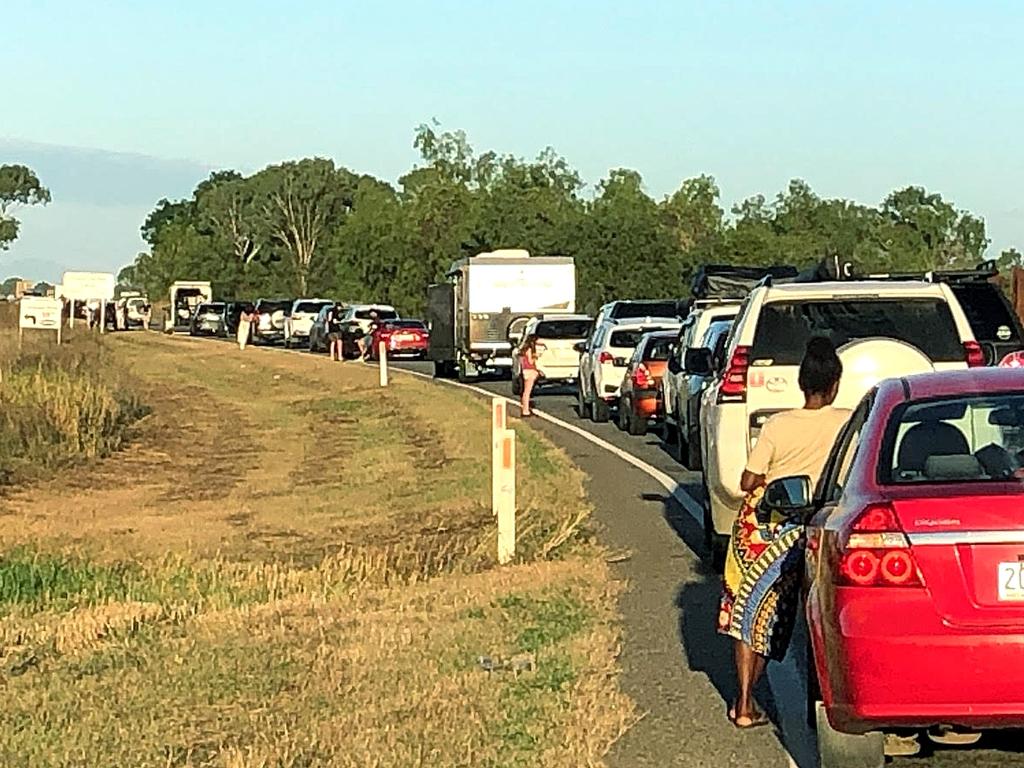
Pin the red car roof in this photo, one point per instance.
(970, 380)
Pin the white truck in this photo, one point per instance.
(484, 299)
(186, 295)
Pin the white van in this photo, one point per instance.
(881, 329)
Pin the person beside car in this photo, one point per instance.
(761, 585)
(528, 353)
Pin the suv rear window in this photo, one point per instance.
(987, 312)
(382, 314)
(659, 349)
(563, 329)
(629, 338)
(273, 306)
(784, 328)
(628, 309)
(311, 307)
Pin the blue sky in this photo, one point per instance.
(120, 103)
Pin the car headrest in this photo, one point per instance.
(957, 467)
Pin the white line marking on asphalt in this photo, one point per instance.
(684, 499)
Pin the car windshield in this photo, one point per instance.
(311, 307)
(382, 314)
(563, 329)
(628, 338)
(659, 348)
(987, 312)
(960, 439)
(628, 309)
(273, 306)
(784, 327)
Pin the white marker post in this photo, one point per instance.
(382, 353)
(499, 423)
(507, 499)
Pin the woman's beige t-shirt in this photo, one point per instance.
(796, 442)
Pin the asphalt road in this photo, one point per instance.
(675, 666)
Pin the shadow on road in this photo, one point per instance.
(782, 691)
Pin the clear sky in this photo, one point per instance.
(120, 103)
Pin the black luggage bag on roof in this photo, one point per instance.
(724, 281)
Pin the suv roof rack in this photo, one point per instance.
(981, 273)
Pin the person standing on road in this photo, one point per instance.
(365, 341)
(245, 321)
(147, 312)
(528, 365)
(763, 568)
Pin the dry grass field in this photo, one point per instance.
(287, 566)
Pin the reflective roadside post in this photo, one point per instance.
(507, 499)
(382, 353)
(499, 423)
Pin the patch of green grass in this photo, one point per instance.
(539, 458)
(28, 578)
(544, 622)
(527, 702)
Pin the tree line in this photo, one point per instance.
(310, 227)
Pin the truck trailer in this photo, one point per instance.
(485, 297)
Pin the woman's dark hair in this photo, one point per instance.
(820, 369)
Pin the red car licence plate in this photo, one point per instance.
(1011, 581)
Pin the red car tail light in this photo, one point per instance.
(605, 358)
(875, 552)
(734, 382)
(642, 378)
(974, 354)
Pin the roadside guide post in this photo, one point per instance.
(382, 353)
(499, 423)
(507, 499)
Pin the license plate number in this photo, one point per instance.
(1011, 582)
(403, 337)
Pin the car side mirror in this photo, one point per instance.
(580, 347)
(698, 361)
(789, 496)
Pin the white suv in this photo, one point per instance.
(299, 322)
(881, 329)
(360, 314)
(675, 382)
(557, 356)
(603, 360)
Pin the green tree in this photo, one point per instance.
(19, 186)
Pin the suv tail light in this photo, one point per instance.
(974, 354)
(734, 381)
(642, 378)
(605, 358)
(876, 552)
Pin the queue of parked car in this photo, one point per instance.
(311, 323)
(914, 586)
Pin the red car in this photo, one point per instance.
(402, 338)
(915, 567)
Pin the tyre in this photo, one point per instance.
(622, 415)
(517, 385)
(813, 688)
(599, 411)
(636, 425)
(582, 406)
(694, 461)
(847, 750)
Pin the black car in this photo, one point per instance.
(329, 321)
(232, 314)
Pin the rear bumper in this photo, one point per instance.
(648, 404)
(923, 673)
(559, 372)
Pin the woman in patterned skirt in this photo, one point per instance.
(765, 561)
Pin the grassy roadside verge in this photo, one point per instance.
(290, 567)
(58, 405)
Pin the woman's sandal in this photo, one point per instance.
(756, 721)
